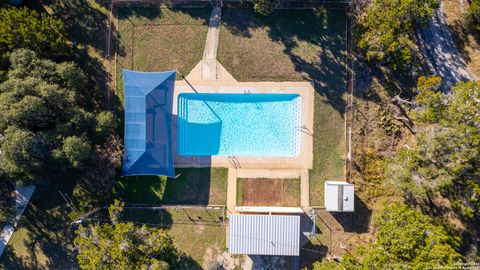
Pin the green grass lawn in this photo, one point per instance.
(196, 232)
(296, 46)
(200, 186)
(43, 238)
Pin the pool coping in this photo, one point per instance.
(303, 161)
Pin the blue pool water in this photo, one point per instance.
(238, 124)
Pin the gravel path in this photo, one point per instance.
(438, 47)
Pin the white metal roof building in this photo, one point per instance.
(264, 235)
(339, 196)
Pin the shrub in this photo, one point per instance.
(26, 28)
(473, 16)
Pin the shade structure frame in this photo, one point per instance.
(148, 137)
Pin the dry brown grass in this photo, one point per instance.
(270, 192)
(160, 39)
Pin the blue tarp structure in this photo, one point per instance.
(148, 123)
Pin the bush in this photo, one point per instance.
(46, 125)
(263, 7)
(26, 28)
(405, 239)
(387, 29)
(473, 16)
(123, 245)
(388, 124)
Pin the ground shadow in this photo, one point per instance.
(151, 13)
(46, 234)
(299, 28)
(265, 262)
(84, 24)
(311, 253)
(357, 221)
(152, 217)
(9, 260)
(193, 186)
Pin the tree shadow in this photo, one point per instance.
(312, 253)
(151, 217)
(305, 29)
(150, 13)
(9, 260)
(84, 24)
(187, 262)
(461, 36)
(48, 236)
(267, 262)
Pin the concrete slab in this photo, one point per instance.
(196, 73)
(209, 61)
(259, 173)
(223, 74)
(231, 191)
(304, 189)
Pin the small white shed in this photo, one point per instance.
(339, 196)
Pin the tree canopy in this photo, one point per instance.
(43, 118)
(263, 7)
(473, 15)
(123, 245)
(405, 239)
(446, 156)
(26, 28)
(387, 29)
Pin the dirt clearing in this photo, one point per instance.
(269, 192)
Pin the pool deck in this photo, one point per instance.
(303, 161)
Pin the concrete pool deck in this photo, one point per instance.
(303, 161)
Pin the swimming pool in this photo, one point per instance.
(238, 124)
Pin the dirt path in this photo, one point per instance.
(439, 49)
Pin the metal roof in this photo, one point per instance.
(339, 196)
(264, 235)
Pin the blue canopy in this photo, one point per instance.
(148, 123)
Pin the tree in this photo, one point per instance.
(446, 156)
(473, 15)
(405, 239)
(387, 29)
(104, 124)
(26, 28)
(22, 153)
(46, 121)
(122, 245)
(7, 200)
(76, 150)
(263, 7)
